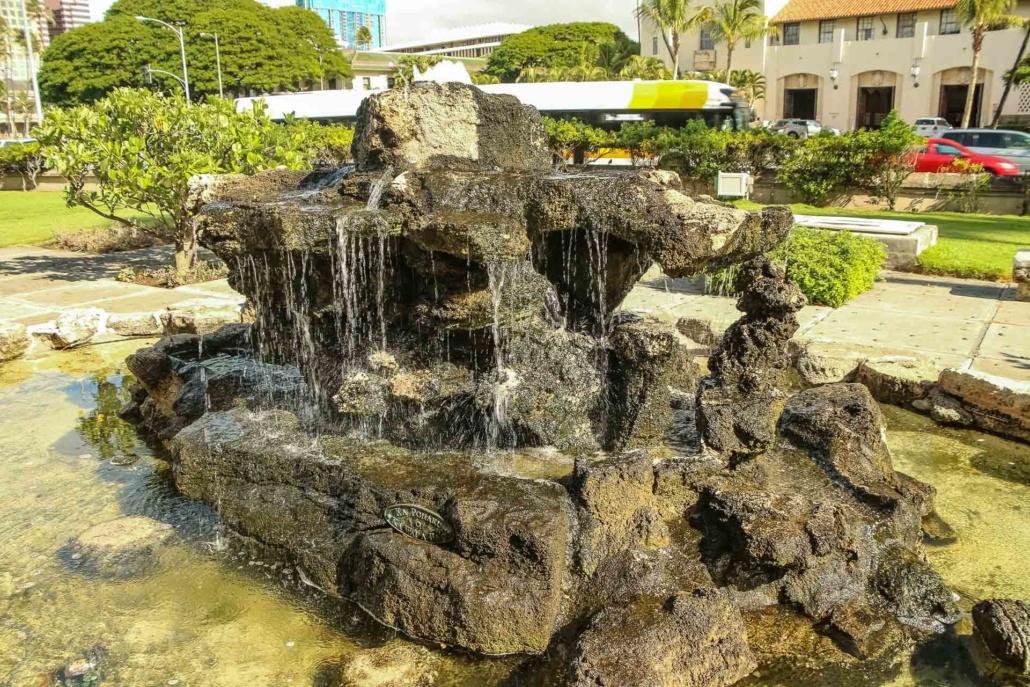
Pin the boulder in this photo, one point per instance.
(914, 592)
(479, 236)
(510, 534)
(395, 664)
(898, 380)
(14, 340)
(121, 548)
(1002, 631)
(136, 324)
(76, 328)
(995, 404)
(201, 315)
(453, 125)
(694, 640)
(1021, 274)
(841, 428)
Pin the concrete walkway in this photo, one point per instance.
(37, 284)
(957, 322)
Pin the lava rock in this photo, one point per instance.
(479, 236)
(14, 340)
(1002, 628)
(453, 125)
(689, 641)
(121, 548)
(914, 592)
(897, 380)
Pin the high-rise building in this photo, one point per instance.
(344, 17)
(68, 15)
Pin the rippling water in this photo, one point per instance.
(203, 617)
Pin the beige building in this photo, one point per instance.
(847, 63)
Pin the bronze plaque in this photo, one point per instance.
(419, 523)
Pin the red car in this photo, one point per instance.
(942, 155)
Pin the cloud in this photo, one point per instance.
(409, 20)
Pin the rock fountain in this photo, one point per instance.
(440, 413)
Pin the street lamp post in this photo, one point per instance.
(218, 61)
(182, 52)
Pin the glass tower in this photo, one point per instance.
(345, 16)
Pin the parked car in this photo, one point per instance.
(928, 127)
(943, 155)
(1012, 145)
(800, 128)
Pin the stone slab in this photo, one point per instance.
(1010, 342)
(1013, 312)
(1017, 369)
(925, 333)
(907, 293)
(81, 294)
(903, 251)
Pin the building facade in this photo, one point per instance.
(847, 63)
(345, 17)
(466, 41)
(68, 15)
(17, 105)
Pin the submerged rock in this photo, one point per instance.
(396, 664)
(121, 548)
(75, 328)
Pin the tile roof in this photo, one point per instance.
(810, 10)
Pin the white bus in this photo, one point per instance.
(606, 104)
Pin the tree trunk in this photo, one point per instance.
(971, 93)
(675, 55)
(729, 62)
(185, 254)
(1012, 77)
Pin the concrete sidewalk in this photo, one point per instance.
(956, 322)
(37, 284)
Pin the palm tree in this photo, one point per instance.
(612, 58)
(751, 82)
(736, 20)
(533, 75)
(363, 37)
(1012, 76)
(481, 79)
(982, 16)
(645, 69)
(673, 18)
(25, 105)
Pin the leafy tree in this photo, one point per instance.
(751, 82)
(24, 160)
(982, 16)
(262, 50)
(673, 18)
(142, 150)
(612, 58)
(735, 20)
(482, 79)
(555, 45)
(363, 37)
(891, 161)
(645, 68)
(578, 140)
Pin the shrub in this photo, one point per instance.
(113, 239)
(22, 159)
(892, 160)
(324, 145)
(831, 267)
(826, 164)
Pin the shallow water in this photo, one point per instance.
(204, 617)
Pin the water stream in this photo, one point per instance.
(204, 616)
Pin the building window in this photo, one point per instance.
(791, 34)
(654, 45)
(865, 29)
(706, 40)
(826, 29)
(949, 22)
(907, 25)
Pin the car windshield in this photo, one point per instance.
(1015, 139)
(782, 122)
(925, 122)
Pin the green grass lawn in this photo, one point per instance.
(969, 246)
(30, 218)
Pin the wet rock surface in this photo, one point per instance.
(396, 664)
(121, 548)
(430, 326)
(1002, 629)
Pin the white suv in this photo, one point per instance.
(931, 127)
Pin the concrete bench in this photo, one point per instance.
(904, 240)
(1021, 274)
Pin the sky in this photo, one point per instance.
(408, 20)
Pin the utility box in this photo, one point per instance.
(733, 185)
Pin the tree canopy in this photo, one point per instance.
(555, 46)
(262, 50)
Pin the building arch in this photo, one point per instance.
(876, 92)
(949, 89)
(801, 95)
